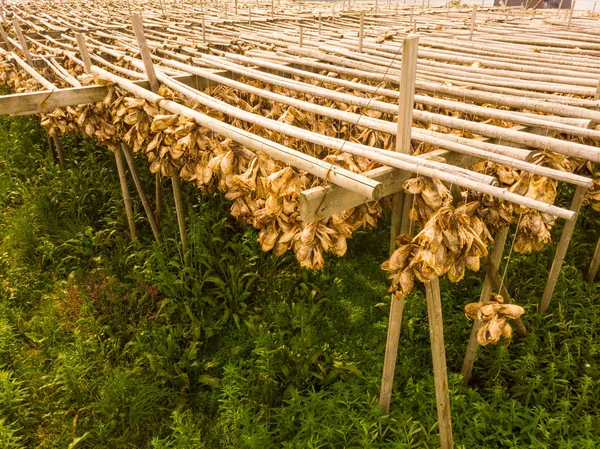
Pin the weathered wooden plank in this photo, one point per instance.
(46, 101)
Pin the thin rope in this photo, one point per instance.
(511, 250)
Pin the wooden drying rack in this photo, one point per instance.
(319, 202)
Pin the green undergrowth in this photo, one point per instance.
(105, 343)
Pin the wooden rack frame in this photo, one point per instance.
(302, 41)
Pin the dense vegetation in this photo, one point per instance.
(105, 343)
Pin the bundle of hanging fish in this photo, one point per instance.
(265, 192)
(451, 240)
(533, 231)
(495, 213)
(16, 80)
(589, 169)
(493, 316)
(322, 125)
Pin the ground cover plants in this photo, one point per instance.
(108, 343)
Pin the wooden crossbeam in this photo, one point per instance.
(322, 202)
(47, 101)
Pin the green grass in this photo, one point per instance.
(105, 343)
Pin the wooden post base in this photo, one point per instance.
(59, 151)
(440, 372)
(125, 193)
(591, 274)
(140, 189)
(179, 208)
(561, 249)
(391, 352)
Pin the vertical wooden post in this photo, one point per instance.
(249, 15)
(320, 23)
(129, 7)
(140, 189)
(179, 208)
(591, 274)
(158, 194)
(597, 96)
(495, 257)
(376, 5)
(203, 31)
(85, 55)
(22, 42)
(59, 151)
(571, 14)
(138, 29)
(482, 3)
(125, 193)
(301, 36)
(561, 249)
(405, 115)
(272, 9)
(594, 8)
(559, 8)
(473, 18)
(391, 352)
(361, 31)
(438, 353)
(49, 139)
(9, 46)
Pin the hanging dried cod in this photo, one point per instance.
(451, 239)
(265, 193)
(493, 316)
(533, 232)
